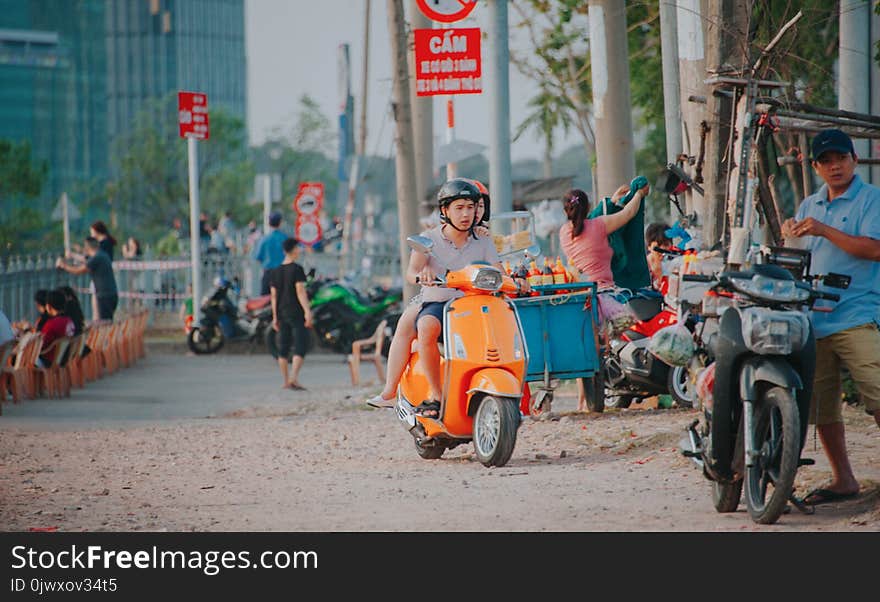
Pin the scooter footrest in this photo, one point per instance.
(690, 454)
(806, 462)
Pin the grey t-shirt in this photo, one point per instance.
(101, 269)
(448, 257)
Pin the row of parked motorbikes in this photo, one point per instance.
(342, 313)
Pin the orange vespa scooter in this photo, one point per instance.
(483, 366)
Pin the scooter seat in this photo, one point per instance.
(645, 308)
(258, 303)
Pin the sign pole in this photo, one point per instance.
(66, 221)
(195, 248)
(267, 201)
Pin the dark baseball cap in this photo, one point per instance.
(831, 140)
(275, 218)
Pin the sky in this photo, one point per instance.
(292, 50)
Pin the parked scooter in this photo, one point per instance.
(754, 424)
(631, 371)
(483, 366)
(223, 320)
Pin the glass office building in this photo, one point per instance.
(74, 73)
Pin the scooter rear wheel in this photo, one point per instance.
(201, 344)
(429, 452)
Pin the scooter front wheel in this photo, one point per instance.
(495, 425)
(203, 340)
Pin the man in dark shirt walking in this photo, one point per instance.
(291, 313)
(100, 268)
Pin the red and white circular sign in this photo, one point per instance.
(308, 230)
(446, 11)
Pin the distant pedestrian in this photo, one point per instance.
(107, 243)
(100, 268)
(291, 314)
(131, 249)
(269, 251)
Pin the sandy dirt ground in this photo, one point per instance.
(181, 443)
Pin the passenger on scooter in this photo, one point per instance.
(584, 242)
(456, 245)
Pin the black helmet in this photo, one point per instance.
(457, 188)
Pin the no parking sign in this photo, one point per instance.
(307, 204)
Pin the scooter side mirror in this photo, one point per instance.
(836, 280)
(419, 243)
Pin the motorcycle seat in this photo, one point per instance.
(258, 302)
(645, 308)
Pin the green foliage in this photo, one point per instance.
(151, 160)
(18, 174)
(300, 153)
(23, 228)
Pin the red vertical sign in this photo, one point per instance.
(192, 115)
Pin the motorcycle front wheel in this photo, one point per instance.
(770, 481)
(203, 340)
(725, 496)
(495, 425)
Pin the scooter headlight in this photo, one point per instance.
(771, 289)
(487, 279)
(769, 331)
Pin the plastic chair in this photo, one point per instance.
(358, 353)
(73, 367)
(20, 375)
(50, 379)
(6, 350)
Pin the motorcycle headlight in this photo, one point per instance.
(771, 289)
(769, 331)
(487, 279)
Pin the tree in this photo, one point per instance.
(301, 153)
(551, 112)
(152, 185)
(23, 229)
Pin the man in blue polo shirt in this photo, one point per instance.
(840, 226)
(269, 251)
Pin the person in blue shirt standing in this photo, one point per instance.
(269, 251)
(840, 226)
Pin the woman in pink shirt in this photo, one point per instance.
(584, 242)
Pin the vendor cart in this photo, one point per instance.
(560, 327)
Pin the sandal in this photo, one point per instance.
(429, 409)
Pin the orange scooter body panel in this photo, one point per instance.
(480, 332)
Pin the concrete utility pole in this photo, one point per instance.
(671, 92)
(423, 118)
(854, 84)
(727, 39)
(497, 86)
(612, 107)
(407, 212)
(362, 134)
(875, 95)
(692, 73)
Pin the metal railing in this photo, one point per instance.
(162, 285)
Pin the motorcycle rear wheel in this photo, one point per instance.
(202, 345)
(495, 425)
(777, 441)
(679, 387)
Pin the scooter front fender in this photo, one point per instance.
(493, 381)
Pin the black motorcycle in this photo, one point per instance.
(754, 423)
(222, 320)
